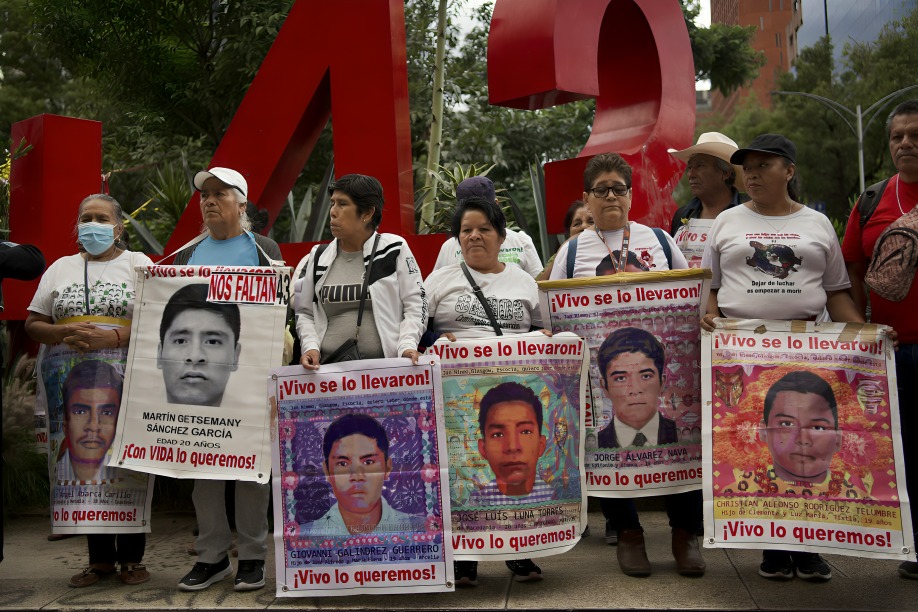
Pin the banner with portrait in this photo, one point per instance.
(514, 425)
(643, 417)
(802, 439)
(81, 394)
(359, 499)
(203, 340)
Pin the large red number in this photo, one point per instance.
(633, 56)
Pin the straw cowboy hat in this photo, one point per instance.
(711, 143)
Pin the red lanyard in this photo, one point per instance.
(618, 266)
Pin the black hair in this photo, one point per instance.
(194, 297)
(603, 163)
(909, 107)
(630, 340)
(493, 212)
(801, 382)
(351, 424)
(508, 392)
(365, 191)
(91, 374)
(569, 215)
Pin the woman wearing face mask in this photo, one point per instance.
(74, 295)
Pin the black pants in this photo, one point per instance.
(907, 381)
(116, 547)
(683, 509)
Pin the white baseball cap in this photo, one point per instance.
(224, 175)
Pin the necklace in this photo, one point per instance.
(898, 201)
(790, 210)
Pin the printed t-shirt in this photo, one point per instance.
(774, 267)
(644, 253)
(512, 294)
(61, 292)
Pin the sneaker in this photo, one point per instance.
(524, 570)
(586, 532)
(776, 566)
(250, 576)
(202, 575)
(909, 569)
(811, 566)
(466, 573)
(611, 534)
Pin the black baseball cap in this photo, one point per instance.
(774, 144)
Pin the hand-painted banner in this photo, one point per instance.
(204, 338)
(514, 425)
(802, 441)
(643, 420)
(359, 504)
(82, 394)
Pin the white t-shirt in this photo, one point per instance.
(644, 253)
(517, 249)
(61, 291)
(512, 294)
(774, 267)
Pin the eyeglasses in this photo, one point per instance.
(617, 190)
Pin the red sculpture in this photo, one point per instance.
(633, 56)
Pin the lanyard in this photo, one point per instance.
(618, 266)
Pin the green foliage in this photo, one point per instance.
(18, 151)
(827, 161)
(722, 53)
(25, 470)
(444, 201)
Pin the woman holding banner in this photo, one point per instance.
(786, 234)
(607, 192)
(82, 310)
(480, 227)
(335, 293)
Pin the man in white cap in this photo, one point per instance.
(229, 242)
(711, 178)
(517, 247)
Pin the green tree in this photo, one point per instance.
(723, 53)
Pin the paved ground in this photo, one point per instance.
(34, 575)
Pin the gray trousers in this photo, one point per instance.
(214, 536)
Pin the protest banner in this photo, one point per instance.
(203, 340)
(692, 238)
(642, 333)
(359, 499)
(802, 441)
(514, 425)
(81, 395)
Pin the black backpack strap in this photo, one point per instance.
(571, 255)
(481, 298)
(664, 244)
(867, 203)
(315, 271)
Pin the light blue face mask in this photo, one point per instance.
(96, 238)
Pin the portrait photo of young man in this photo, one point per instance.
(800, 426)
(198, 347)
(510, 418)
(356, 466)
(631, 365)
